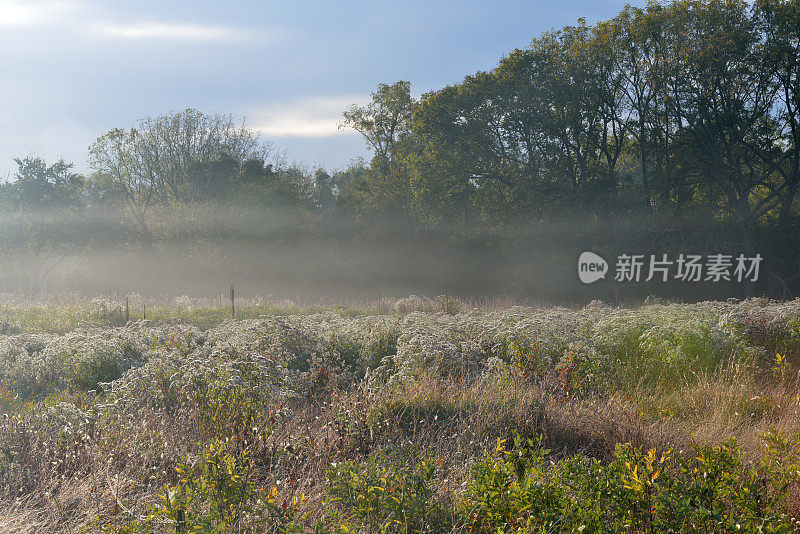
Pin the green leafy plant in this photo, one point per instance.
(511, 489)
(215, 494)
(387, 493)
(219, 481)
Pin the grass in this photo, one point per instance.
(417, 415)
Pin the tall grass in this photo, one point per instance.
(289, 419)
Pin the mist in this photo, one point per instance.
(284, 253)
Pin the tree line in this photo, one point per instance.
(674, 112)
(690, 105)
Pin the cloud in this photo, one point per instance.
(65, 14)
(26, 14)
(75, 15)
(310, 117)
(175, 32)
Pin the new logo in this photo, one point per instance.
(591, 267)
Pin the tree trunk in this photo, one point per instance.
(784, 216)
(748, 251)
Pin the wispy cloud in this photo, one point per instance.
(75, 15)
(305, 117)
(31, 13)
(175, 32)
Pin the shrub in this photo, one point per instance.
(240, 415)
(215, 494)
(390, 492)
(660, 345)
(712, 490)
(511, 490)
(87, 373)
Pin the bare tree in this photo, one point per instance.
(153, 164)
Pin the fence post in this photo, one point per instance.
(233, 306)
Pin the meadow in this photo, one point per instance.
(403, 415)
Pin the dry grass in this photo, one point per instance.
(59, 481)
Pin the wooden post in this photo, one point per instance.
(127, 311)
(144, 310)
(233, 306)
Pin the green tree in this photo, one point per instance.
(45, 206)
(779, 21)
(37, 185)
(722, 108)
(385, 124)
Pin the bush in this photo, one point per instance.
(87, 373)
(215, 494)
(512, 490)
(390, 492)
(712, 490)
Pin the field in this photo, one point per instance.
(409, 415)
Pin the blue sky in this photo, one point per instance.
(73, 69)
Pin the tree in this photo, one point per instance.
(125, 170)
(156, 163)
(582, 113)
(385, 121)
(724, 96)
(37, 185)
(385, 124)
(324, 194)
(44, 207)
(779, 21)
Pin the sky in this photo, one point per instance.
(71, 70)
